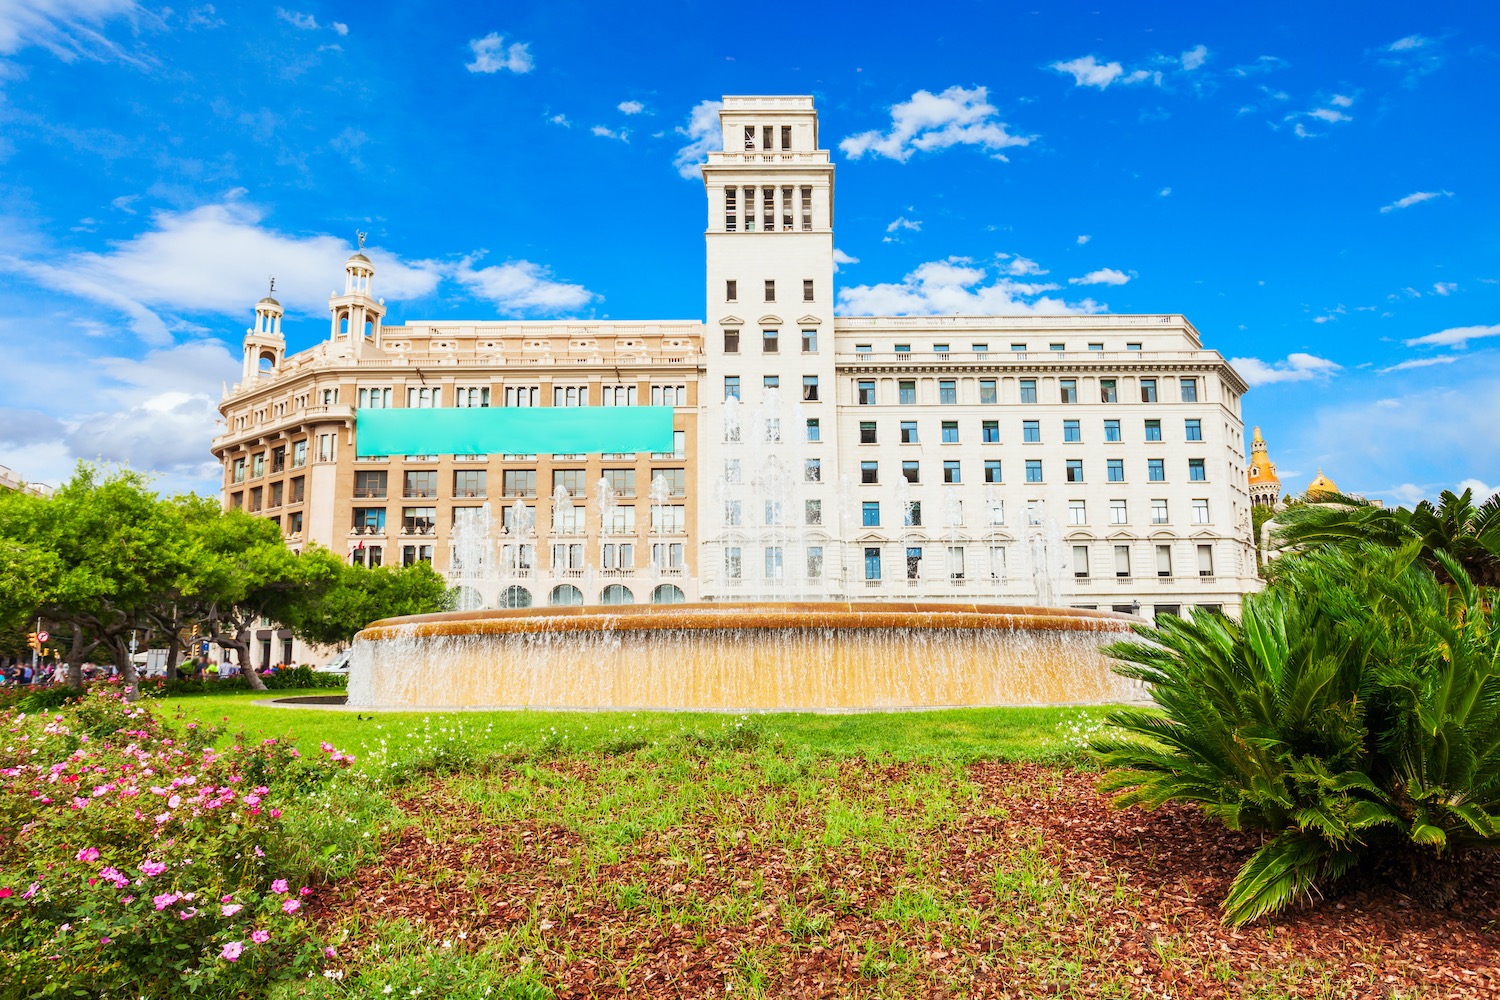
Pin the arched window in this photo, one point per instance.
(667, 594)
(565, 596)
(515, 597)
(616, 594)
(467, 599)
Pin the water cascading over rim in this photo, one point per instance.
(815, 656)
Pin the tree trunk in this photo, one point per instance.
(247, 668)
(120, 647)
(77, 651)
(174, 654)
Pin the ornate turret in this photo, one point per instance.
(356, 315)
(1321, 488)
(1265, 486)
(264, 344)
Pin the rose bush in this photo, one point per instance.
(140, 858)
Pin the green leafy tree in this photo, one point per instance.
(360, 595)
(1352, 714)
(1454, 525)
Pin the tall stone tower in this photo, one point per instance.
(265, 346)
(769, 336)
(1265, 487)
(356, 315)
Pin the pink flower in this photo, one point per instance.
(88, 854)
(225, 899)
(165, 900)
(330, 952)
(275, 813)
(153, 867)
(187, 914)
(259, 853)
(290, 906)
(304, 891)
(327, 747)
(5, 892)
(231, 909)
(279, 885)
(260, 937)
(37, 885)
(232, 951)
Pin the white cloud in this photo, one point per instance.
(608, 133)
(1458, 336)
(1194, 57)
(956, 286)
(1327, 115)
(1090, 72)
(1103, 276)
(519, 287)
(841, 259)
(560, 119)
(1446, 359)
(1482, 491)
(1017, 266)
(1262, 64)
(1083, 239)
(66, 28)
(1415, 198)
(1444, 288)
(1164, 192)
(704, 135)
(915, 225)
(1297, 367)
(215, 259)
(339, 28)
(492, 55)
(1408, 43)
(929, 122)
(297, 20)
(631, 107)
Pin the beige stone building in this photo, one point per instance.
(1084, 460)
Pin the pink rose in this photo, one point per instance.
(279, 885)
(153, 867)
(89, 854)
(260, 937)
(231, 909)
(290, 906)
(232, 951)
(165, 900)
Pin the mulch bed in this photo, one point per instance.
(1159, 935)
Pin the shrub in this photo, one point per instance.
(1353, 713)
(137, 859)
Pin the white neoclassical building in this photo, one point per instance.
(1086, 460)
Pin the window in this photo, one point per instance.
(770, 285)
(679, 447)
(807, 290)
(369, 520)
(733, 471)
(1028, 390)
(1108, 390)
(1196, 472)
(731, 287)
(1072, 431)
(911, 471)
(812, 470)
(518, 482)
(913, 515)
(574, 395)
(786, 137)
(906, 393)
(807, 210)
(992, 470)
(1195, 430)
(812, 512)
(956, 564)
(1018, 347)
(469, 482)
(773, 562)
(870, 513)
(814, 430)
(380, 398)
(1115, 470)
(980, 348)
(239, 470)
(1117, 513)
(987, 391)
(732, 563)
(867, 392)
(913, 562)
(1189, 390)
(1200, 511)
(997, 563)
(1068, 388)
(814, 561)
(1096, 347)
(1075, 470)
(1156, 470)
(1132, 347)
(731, 341)
(299, 454)
(666, 519)
(809, 341)
(903, 351)
(258, 465)
(769, 340)
(989, 431)
(1077, 512)
(1036, 511)
(1033, 470)
(621, 481)
(668, 395)
(997, 509)
(731, 387)
(867, 432)
(420, 485)
(413, 554)
(1111, 430)
(1122, 561)
(809, 388)
(1164, 560)
(872, 563)
(1153, 430)
(1148, 390)
(733, 513)
(908, 432)
(941, 350)
(869, 472)
(418, 520)
(947, 391)
(675, 480)
(861, 348)
(472, 396)
(772, 430)
(294, 524)
(1158, 512)
(617, 395)
(1031, 431)
(951, 473)
(950, 432)
(329, 396)
(1081, 562)
(1205, 560)
(773, 513)
(426, 397)
(1057, 347)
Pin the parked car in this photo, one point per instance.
(338, 665)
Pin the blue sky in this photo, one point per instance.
(1313, 185)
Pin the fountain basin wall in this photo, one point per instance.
(821, 657)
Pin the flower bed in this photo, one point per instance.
(141, 859)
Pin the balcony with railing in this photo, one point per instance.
(419, 493)
(364, 493)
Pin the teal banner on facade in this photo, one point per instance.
(513, 430)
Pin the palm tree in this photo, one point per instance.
(1470, 535)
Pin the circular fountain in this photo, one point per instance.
(818, 657)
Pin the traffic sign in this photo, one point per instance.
(42, 637)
